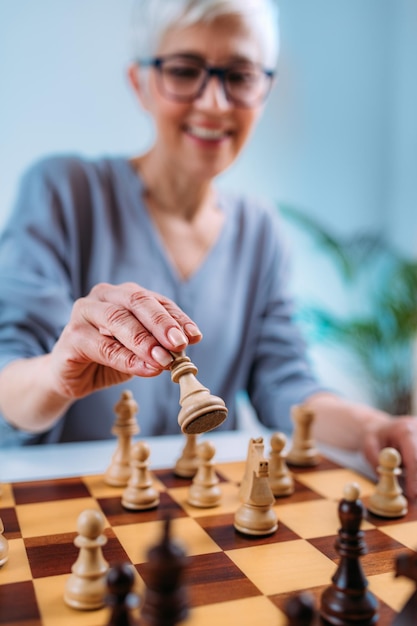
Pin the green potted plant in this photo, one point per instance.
(381, 335)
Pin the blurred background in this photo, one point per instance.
(338, 140)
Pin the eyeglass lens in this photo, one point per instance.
(185, 79)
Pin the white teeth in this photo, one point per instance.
(206, 133)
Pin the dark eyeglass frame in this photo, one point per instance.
(210, 70)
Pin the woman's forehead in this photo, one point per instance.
(221, 40)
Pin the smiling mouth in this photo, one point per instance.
(210, 134)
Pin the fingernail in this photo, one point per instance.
(176, 337)
(192, 330)
(151, 369)
(161, 356)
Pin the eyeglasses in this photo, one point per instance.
(184, 79)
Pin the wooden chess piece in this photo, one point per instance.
(388, 499)
(120, 598)
(406, 565)
(85, 589)
(166, 598)
(300, 610)
(140, 494)
(256, 515)
(187, 464)
(280, 478)
(205, 490)
(254, 455)
(348, 601)
(4, 545)
(125, 426)
(200, 410)
(303, 451)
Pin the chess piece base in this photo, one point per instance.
(118, 477)
(255, 520)
(303, 460)
(203, 498)
(149, 503)
(339, 609)
(185, 471)
(282, 488)
(84, 594)
(379, 505)
(196, 424)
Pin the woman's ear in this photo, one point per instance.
(136, 84)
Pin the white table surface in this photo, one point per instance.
(75, 459)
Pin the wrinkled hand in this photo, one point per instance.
(115, 333)
(399, 433)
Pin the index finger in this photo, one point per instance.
(161, 317)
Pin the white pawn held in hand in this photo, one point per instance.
(205, 490)
(140, 493)
(86, 587)
(388, 499)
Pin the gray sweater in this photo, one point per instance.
(78, 222)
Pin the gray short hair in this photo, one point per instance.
(152, 18)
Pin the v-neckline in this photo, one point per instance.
(137, 188)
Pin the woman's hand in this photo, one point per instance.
(117, 332)
(355, 426)
(399, 433)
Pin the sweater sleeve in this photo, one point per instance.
(35, 257)
(35, 296)
(281, 374)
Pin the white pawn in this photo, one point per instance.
(205, 490)
(256, 515)
(187, 464)
(303, 451)
(86, 587)
(4, 545)
(125, 426)
(388, 499)
(140, 493)
(280, 478)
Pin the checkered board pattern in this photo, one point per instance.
(232, 579)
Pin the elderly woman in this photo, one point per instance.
(108, 266)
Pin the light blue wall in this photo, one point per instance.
(339, 135)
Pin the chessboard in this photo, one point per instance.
(231, 578)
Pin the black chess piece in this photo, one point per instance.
(121, 598)
(406, 565)
(348, 601)
(165, 601)
(300, 610)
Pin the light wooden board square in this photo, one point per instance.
(44, 518)
(16, 568)
(395, 591)
(315, 518)
(247, 612)
(6, 496)
(54, 612)
(137, 540)
(330, 483)
(232, 471)
(405, 533)
(284, 567)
